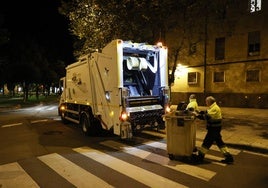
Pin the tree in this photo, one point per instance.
(95, 23)
(4, 40)
(88, 24)
(32, 44)
(25, 63)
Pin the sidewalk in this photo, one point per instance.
(243, 128)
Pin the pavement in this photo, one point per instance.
(245, 128)
(242, 128)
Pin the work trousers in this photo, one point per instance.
(213, 135)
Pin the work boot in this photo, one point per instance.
(197, 158)
(228, 159)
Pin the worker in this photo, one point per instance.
(192, 105)
(213, 117)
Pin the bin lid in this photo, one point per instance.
(180, 115)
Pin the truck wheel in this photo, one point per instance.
(62, 115)
(96, 127)
(86, 124)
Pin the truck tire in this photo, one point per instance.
(86, 124)
(62, 115)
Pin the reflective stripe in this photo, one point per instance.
(203, 150)
(224, 150)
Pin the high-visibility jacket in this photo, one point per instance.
(192, 105)
(213, 115)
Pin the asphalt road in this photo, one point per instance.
(38, 150)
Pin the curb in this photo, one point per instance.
(248, 148)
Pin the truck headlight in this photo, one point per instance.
(62, 108)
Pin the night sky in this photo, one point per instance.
(38, 19)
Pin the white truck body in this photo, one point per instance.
(126, 78)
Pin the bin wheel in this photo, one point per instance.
(171, 156)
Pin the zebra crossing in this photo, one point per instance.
(79, 167)
(162, 160)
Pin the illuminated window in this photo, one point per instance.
(218, 76)
(254, 5)
(253, 75)
(219, 48)
(254, 43)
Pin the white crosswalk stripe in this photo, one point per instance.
(214, 159)
(215, 148)
(198, 143)
(137, 173)
(71, 172)
(184, 168)
(13, 175)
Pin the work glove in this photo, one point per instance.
(202, 112)
(201, 115)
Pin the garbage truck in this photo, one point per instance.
(122, 88)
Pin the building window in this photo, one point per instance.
(219, 76)
(254, 5)
(253, 75)
(219, 48)
(192, 78)
(254, 43)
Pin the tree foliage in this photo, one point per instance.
(97, 22)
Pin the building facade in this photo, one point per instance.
(231, 63)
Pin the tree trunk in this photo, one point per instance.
(26, 91)
(37, 91)
(171, 77)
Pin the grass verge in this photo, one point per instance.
(7, 101)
